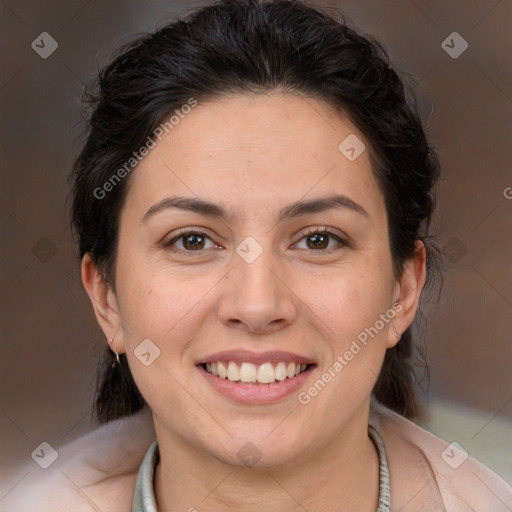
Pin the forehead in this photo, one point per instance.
(258, 151)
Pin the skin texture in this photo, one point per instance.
(254, 155)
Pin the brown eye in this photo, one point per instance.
(321, 241)
(193, 241)
(318, 241)
(190, 241)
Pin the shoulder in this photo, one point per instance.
(429, 473)
(94, 472)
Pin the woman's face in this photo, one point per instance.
(255, 285)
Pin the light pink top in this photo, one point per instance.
(98, 471)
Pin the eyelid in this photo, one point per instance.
(182, 232)
(318, 229)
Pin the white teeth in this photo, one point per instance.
(233, 371)
(265, 373)
(248, 372)
(223, 371)
(280, 371)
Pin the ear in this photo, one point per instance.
(104, 302)
(408, 292)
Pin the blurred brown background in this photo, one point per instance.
(50, 342)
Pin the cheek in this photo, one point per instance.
(349, 310)
(165, 310)
(350, 303)
(162, 305)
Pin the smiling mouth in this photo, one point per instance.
(249, 373)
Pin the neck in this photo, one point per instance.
(343, 476)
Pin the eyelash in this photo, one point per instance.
(309, 232)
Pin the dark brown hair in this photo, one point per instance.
(251, 46)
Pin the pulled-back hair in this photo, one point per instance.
(254, 47)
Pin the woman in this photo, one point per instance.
(252, 207)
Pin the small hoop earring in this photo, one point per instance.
(397, 335)
(117, 361)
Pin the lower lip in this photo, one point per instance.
(256, 393)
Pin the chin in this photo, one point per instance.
(259, 450)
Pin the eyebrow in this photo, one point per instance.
(293, 210)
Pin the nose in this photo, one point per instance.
(257, 297)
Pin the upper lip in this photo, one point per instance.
(255, 357)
